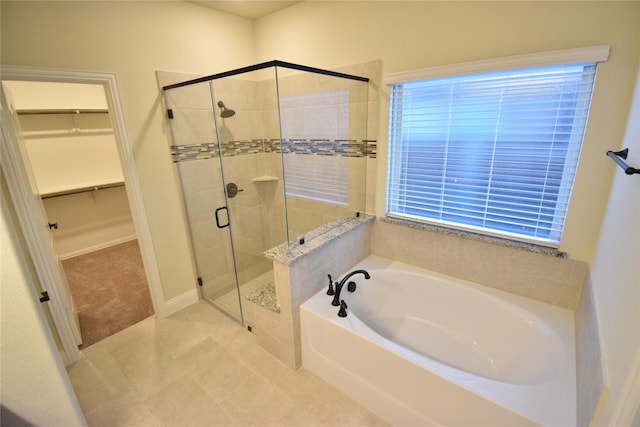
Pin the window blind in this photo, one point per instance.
(494, 152)
(318, 177)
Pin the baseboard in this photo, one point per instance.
(178, 303)
(94, 248)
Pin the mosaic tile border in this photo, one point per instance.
(320, 147)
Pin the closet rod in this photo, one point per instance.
(617, 157)
(82, 190)
(63, 111)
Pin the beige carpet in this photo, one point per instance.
(109, 289)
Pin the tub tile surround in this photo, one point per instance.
(537, 275)
(301, 270)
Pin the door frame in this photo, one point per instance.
(31, 213)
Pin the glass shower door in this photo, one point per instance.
(198, 164)
(246, 118)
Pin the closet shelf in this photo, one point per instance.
(265, 178)
(81, 190)
(26, 112)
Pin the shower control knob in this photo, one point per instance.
(233, 190)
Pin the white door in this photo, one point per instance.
(33, 222)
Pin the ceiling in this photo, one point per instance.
(251, 9)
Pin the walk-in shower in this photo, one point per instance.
(290, 157)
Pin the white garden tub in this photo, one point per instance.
(420, 348)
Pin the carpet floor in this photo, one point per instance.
(109, 289)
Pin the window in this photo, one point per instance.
(494, 152)
(316, 177)
(316, 126)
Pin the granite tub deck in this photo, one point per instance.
(298, 275)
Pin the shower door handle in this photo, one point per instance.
(218, 217)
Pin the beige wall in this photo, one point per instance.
(89, 221)
(134, 39)
(616, 282)
(415, 34)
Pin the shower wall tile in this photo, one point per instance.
(320, 147)
(199, 176)
(240, 95)
(204, 235)
(305, 214)
(191, 126)
(554, 280)
(357, 169)
(237, 93)
(215, 266)
(214, 262)
(258, 267)
(371, 183)
(243, 168)
(192, 97)
(372, 70)
(267, 94)
(372, 119)
(244, 125)
(275, 336)
(358, 119)
(201, 206)
(271, 124)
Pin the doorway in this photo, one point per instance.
(30, 210)
(72, 153)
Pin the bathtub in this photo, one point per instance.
(421, 348)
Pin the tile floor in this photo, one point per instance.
(200, 368)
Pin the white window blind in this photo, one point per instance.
(494, 153)
(317, 177)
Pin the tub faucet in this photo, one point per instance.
(351, 286)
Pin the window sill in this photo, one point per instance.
(477, 237)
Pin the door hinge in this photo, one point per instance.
(200, 281)
(170, 113)
(44, 297)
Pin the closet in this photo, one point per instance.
(76, 169)
(75, 164)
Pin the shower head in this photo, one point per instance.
(226, 112)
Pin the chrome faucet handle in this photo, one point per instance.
(330, 291)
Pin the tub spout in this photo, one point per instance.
(351, 286)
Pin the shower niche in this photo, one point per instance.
(266, 155)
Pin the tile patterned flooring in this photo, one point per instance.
(200, 368)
